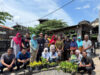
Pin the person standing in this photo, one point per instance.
(66, 48)
(33, 48)
(41, 42)
(79, 43)
(53, 40)
(46, 41)
(60, 47)
(25, 42)
(16, 43)
(73, 45)
(87, 44)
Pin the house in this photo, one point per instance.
(82, 28)
(5, 32)
(21, 29)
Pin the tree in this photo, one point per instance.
(5, 16)
(49, 25)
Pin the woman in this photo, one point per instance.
(73, 45)
(53, 54)
(66, 48)
(73, 57)
(79, 56)
(53, 40)
(60, 47)
(33, 48)
(79, 43)
(45, 54)
(16, 43)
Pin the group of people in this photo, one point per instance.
(53, 48)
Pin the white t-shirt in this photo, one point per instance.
(87, 44)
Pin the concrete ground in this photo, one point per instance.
(55, 72)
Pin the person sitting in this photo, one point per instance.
(86, 63)
(45, 54)
(7, 60)
(79, 56)
(23, 58)
(53, 54)
(73, 57)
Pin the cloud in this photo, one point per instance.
(83, 7)
(98, 7)
(78, 8)
(86, 6)
(25, 12)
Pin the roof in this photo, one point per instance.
(70, 27)
(17, 25)
(95, 23)
(6, 27)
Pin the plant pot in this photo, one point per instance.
(46, 66)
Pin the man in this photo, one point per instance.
(23, 58)
(86, 63)
(87, 44)
(41, 42)
(7, 60)
(46, 41)
(25, 41)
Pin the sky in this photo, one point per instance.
(26, 12)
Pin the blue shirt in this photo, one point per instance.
(79, 43)
(55, 55)
(45, 55)
(23, 56)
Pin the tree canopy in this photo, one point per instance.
(47, 26)
(4, 16)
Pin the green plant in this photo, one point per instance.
(33, 64)
(44, 61)
(68, 67)
(53, 64)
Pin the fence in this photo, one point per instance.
(4, 45)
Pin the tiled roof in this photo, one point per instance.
(6, 27)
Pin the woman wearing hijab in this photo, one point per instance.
(53, 40)
(16, 43)
(60, 47)
(45, 54)
(33, 48)
(73, 45)
(79, 43)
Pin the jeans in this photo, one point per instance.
(19, 64)
(88, 69)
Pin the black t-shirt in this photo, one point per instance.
(86, 61)
(7, 58)
(41, 42)
(26, 42)
(66, 45)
